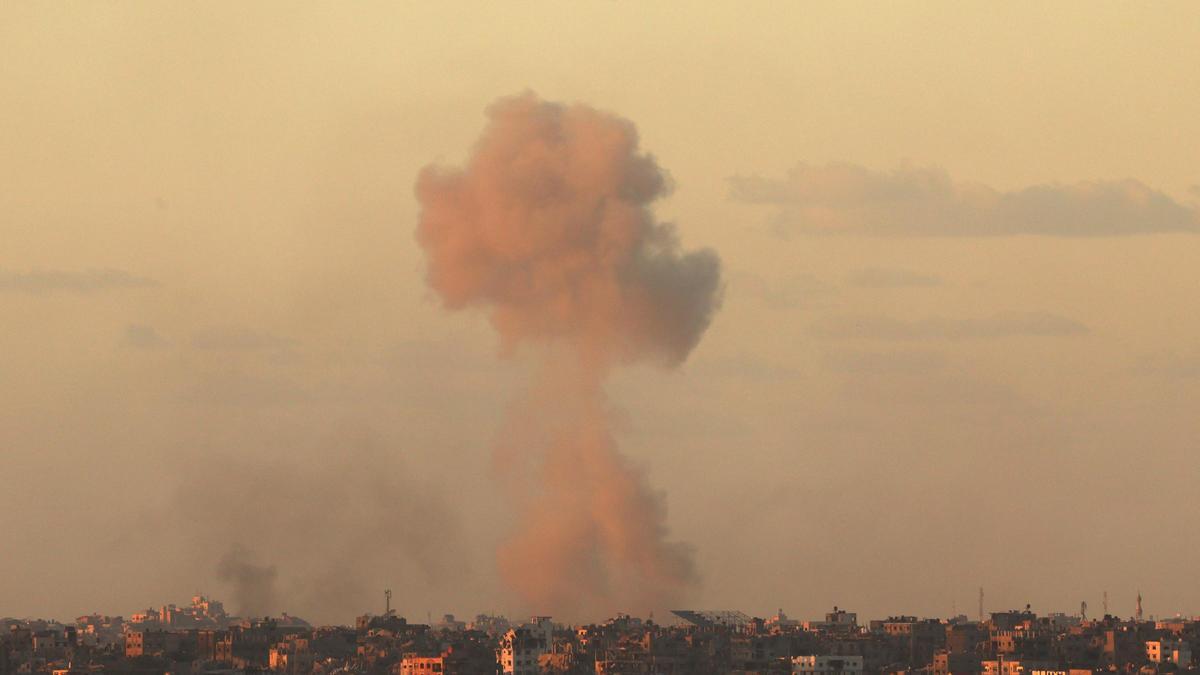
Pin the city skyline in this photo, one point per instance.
(205, 601)
(203, 637)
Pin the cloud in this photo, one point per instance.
(877, 327)
(1171, 365)
(799, 290)
(61, 281)
(239, 339)
(873, 363)
(916, 201)
(140, 336)
(745, 366)
(876, 277)
(904, 403)
(244, 391)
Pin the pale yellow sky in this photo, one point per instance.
(212, 299)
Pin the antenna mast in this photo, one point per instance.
(387, 602)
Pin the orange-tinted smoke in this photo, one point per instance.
(592, 540)
(549, 228)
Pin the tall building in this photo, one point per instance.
(519, 651)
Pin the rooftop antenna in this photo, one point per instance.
(1139, 605)
(387, 601)
(1105, 603)
(981, 604)
(1083, 610)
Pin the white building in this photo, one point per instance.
(826, 665)
(1177, 652)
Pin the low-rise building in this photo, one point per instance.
(826, 665)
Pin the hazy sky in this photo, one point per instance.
(958, 345)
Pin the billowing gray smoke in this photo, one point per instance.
(319, 530)
(252, 584)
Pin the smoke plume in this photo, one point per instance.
(549, 227)
(253, 584)
(319, 527)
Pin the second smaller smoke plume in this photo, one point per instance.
(252, 584)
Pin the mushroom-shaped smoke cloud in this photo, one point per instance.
(549, 227)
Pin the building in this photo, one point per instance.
(840, 619)
(492, 625)
(1177, 652)
(214, 645)
(49, 642)
(781, 621)
(963, 638)
(416, 664)
(722, 618)
(543, 628)
(150, 643)
(1004, 642)
(1012, 619)
(1017, 667)
(826, 665)
(292, 654)
(519, 651)
(897, 626)
(951, 663)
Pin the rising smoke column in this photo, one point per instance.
(549, 227)
(253, 584)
